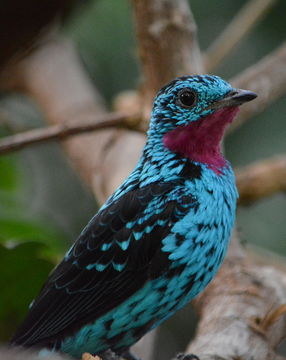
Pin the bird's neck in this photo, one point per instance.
(200, 141)
(196, 144)
(158, 163)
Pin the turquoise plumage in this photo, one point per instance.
(157, 241)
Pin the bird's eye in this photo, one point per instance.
(187, 98)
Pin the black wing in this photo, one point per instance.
(110, 261)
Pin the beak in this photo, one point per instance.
(234, 98)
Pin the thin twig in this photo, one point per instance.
(267, 78)
(53, 76)
(254, 182)
(64, 130)
(249, 15)
(261, 179)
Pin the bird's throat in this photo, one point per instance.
(200, 140)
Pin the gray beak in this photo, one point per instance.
(234, 98)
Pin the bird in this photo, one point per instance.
(157, 241)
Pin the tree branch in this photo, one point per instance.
(261, 179)
(53, 76)
(167, 41)
(267, 78)
(255, 181)
(64, 130)
(242, 312)
(248, 16)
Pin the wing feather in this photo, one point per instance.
(107, 264)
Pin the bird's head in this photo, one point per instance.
(191, 113)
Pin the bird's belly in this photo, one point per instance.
(191, 267)
(126, 324)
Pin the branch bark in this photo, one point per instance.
(261, 179)
(242, 312)
(267, 78)
(248, 16)
(65, 130)
(53, 76)
(254, 182)
(167, 41)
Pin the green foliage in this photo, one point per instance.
(28, 250)
(15, 224)
(22, 230)
(8, 180)
(23, 270)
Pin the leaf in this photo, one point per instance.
(8, 174)
(23, 271)
(19, 230)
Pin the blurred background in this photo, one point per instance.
(43, 203)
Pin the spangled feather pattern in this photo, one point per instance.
(89, 281)
(153, 246)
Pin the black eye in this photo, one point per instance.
(187, 98)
